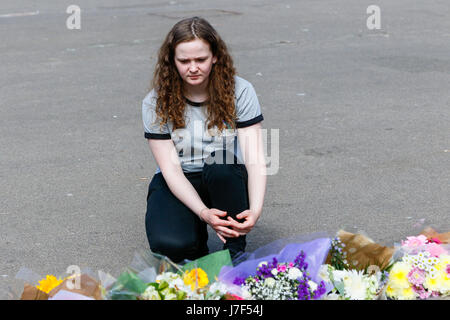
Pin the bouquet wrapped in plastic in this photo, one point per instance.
(352, 279)
(77, 286)
(286, 269)
(421, 270)
(155, 277)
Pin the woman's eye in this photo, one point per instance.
(199, 60)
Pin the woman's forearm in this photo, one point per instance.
(252, 149)
(256, 186)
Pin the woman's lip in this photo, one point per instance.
(194, 76)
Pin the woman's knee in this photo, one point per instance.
(177, 249)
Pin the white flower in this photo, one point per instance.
(177, 284)
(294, 273)
(218, 287)
(323, 272)
(332, 296)
(355, 286)
(167, 276)
(270, 282)
(274, 272)
(150, 294)
(312, 285)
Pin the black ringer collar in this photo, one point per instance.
(195, 104)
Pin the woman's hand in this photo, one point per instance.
(221, 227)
(245, 227)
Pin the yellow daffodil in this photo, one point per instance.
(48, 283)
(196, 278)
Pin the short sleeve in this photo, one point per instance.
(248, 109)
(152, 129)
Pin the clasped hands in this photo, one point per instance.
(229, 228)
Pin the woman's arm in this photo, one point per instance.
(167, 159)
(252, 149)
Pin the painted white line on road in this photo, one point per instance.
(22, 14)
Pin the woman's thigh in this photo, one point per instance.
(172, 228)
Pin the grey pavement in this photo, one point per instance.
(363, 118)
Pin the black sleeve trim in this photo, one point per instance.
(250, 122)
(158, 136)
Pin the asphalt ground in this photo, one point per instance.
(362, 116)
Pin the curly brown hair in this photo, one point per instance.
(170, 105)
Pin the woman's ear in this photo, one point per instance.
(214, 59)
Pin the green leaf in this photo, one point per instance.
(211, 264)
(163, 285)
(181, 295)
(127, 287)
(340, 287)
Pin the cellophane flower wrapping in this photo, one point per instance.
(285, 250)
(84, 285)
(152, 276)
(135, 279)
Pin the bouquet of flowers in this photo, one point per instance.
(78, 286)
(290, 274)
(156, 277)
(350, 283)
(282, 281)
(422, 272)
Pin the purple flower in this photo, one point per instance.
(300, 261)
(321, 290)
(239, 281)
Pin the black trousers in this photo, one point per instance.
(175, 231)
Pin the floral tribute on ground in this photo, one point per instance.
(422, 272)
(306, 267)
(282, 281)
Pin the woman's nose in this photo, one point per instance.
(193, 67)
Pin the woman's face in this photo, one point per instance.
(194, 61)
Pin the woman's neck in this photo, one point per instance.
(196, 93)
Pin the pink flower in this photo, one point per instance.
(435, 249)
(448, 269)
(281, 268)
(435, 240)
(423, 294)
(291, 264)
(414, 242)
(416, 276)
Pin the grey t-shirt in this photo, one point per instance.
(195, 143)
